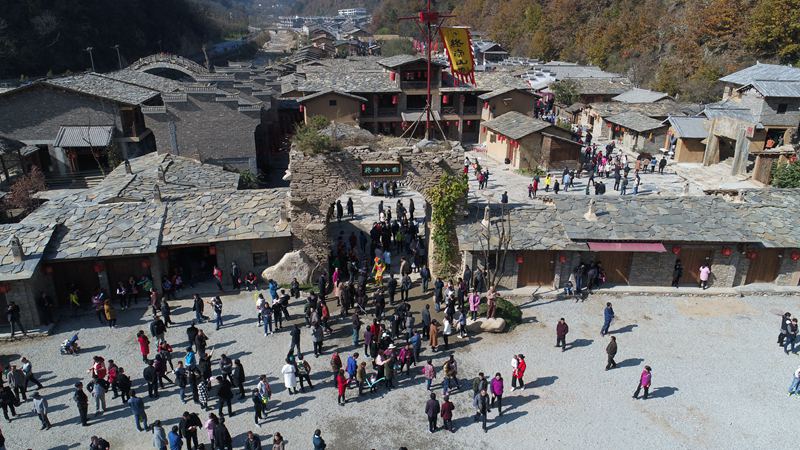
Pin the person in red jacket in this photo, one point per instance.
(341, 385)
(447, 413)
(144, 344)
(561, 334)
(519, 371)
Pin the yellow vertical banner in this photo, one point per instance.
(458, 44)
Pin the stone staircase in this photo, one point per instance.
(76, 180)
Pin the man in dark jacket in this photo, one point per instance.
(188, 427)
(323, 285)
(319, 443)
(481, 404)
(432, 411)
(611, 351)
(238, 377)
(561, 334)
(224, 395)
(391, 288)
(82, 400)
(12, 315)
(191, 334)
(222, 437)
(151, 377)
(157, 328)
(608, 316)
(295, 334)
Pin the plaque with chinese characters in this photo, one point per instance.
(382, 169)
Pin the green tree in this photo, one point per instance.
(446, 197)
(397, 47)
(786, 175)
(774, 29)
(565, 92)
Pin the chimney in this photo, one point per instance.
(685, 189)
(162, 177)
(16, 249)
(591, 213)
(128, 169)
(156, 194)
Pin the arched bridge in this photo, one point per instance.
(169, 61)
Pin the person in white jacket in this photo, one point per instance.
(289, 377)
(40, 408)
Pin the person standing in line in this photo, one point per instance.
(608, 316)
(174, 439)
(40, 408)
(794, 388)
(159, 436)
(561, 334)
(496, 387)
(611, 351)
(432, 410)
(677, 273)
(518, 362)
(447, 408)
(82, 401)
(137, 408)
(705, 271)
(644, 383)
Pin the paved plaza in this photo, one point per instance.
(719, 380)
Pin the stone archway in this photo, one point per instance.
(318, 180)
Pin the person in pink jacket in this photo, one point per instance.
(496, 387)
(644, 383)
(474, 302)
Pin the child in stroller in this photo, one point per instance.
(70, 346)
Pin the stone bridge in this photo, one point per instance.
(169, 61)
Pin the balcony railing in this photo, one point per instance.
(415, 84)
(154, 109)
(448, 110)
(470, 110)
(387, 112)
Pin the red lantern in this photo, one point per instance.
(302, 108)
(676, 249)
(727, 251)
(98, 267)
(163, 253)
(394, 99)
(752, 255)
(392, 76)
(363, 107)
(48, 269)
(145, 263)
(212, 250)
(520, 259)
(795, 255)
(469, 123)
(485, 105)
(562, 258)
(4, 288)
(445, 99)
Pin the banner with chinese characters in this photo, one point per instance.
(382, 169)
(458, 45)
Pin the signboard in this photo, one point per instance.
(382, 169)
(458, 44)
(750, 132)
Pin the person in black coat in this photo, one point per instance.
(81, 400)
(151, 377)
(191, 334)
(238, 377)
(222, 437)
(224, 395)
(432, 411)
(7, 400)
(322, 284)
(677, 273)
(189, 424)
(124, 385)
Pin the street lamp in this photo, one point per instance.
(91, 58)
(119, 58)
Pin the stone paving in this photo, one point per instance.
(703, 395)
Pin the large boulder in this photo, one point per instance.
(496, 325)
(474, 326)
(293, 265)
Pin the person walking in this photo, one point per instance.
(144, 344)
(7, 401)
(317, 441)
(224, 396)
(150, 375)
(611, 351)
(159, 436)
(791, 337)
(426, 320)
(794, 388)
(644, 383)
(341, 386)
(13, 317)
(27, 370)
(608, 316)
(429, 372)
(481, 404)
(518, 363)
(705, 271)
(677, 273)
(785, 321)
(110, 313)
(82, 401)
(137, 408)
(447, 407)
(561, 334)
(295, 335)
(661, 165)
(432, 410)
(216, 305)
(40, 409)
(496, 387)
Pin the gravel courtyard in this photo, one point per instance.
(719, 381)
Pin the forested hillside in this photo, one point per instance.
(670, 45)
(43, 36)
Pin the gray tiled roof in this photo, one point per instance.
(396, 61)
(782, 89)
(634, 121)
(661, 109)
(591, 86)
(84, 136)
(637, 95)
(223, 216)
(533, 227)
(34, 239)
(516, 125)
(762, 72)
(184, 176)
(330, 91)
(689, 127)
(146, 80)
(8, 145)
(100, 86)
(504, 91)
(353, 82)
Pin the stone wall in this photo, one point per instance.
(651, 269)
(318, 180)
(25, 292)
(728, 271)
(789, 271)
(507, 280)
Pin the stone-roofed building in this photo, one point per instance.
(528, 143)
(637, 95)
(592, 90)
(685, 137)
(636, 132)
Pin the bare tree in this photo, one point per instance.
(495, 238)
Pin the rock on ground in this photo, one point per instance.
(292, 265)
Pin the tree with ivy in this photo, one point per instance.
(565, 92)
(446, 200)
(786, 174)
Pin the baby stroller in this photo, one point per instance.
(70, 346)
(373, 380)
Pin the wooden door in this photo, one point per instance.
(616, 265)
(537, 269)
(692, 259)
(764, 269)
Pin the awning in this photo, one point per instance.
(653, 247)
(422, 115)
(79, 136)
